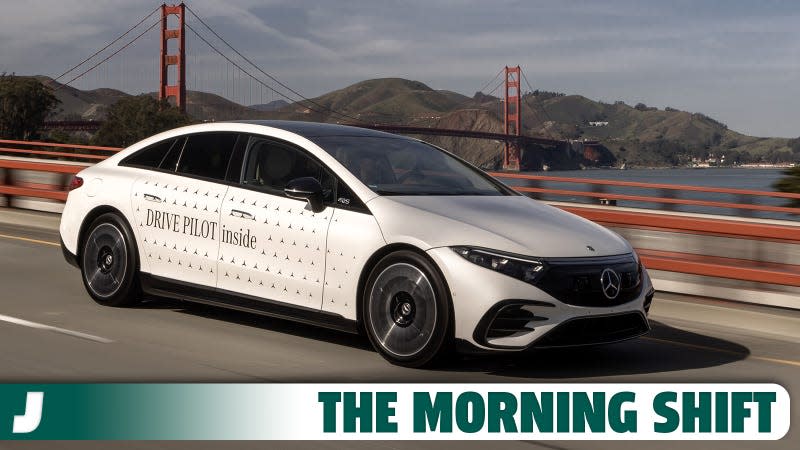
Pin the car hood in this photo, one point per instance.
(515, 224)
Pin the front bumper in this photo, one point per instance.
(494, 312)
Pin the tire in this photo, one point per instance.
(109, 262)
(406, 310)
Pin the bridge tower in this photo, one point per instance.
(177, 90)
(513, 117)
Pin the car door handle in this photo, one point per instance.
(242, 214)
(152, 198)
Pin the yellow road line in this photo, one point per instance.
(35, 241)
(787, 362)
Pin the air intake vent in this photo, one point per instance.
(511, 319)
(596, 330)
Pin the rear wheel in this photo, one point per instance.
(109, 262)
(406, 309)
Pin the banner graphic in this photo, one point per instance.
(393, 411)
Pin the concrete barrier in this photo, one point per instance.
(754, 252)
(35, 179)
(38, 180)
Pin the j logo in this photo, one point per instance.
(33, 414)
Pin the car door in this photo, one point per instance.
(177, 208)
(271, 246)
(353, 237)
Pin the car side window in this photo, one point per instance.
(270, 165)
(170, 161)
(152, 156)
(207, 154)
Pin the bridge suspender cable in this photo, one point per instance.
(107, 46)
(109, 56)
(264, 72)
(236, 65)
(262, 83)
(481, 90)
(531, 90)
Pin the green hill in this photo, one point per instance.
(638, 134)
(387, 100)
(644, 135)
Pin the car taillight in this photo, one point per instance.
(75, 183)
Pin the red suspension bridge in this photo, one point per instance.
(173, 77)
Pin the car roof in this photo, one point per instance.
(316, 129)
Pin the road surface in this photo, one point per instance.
(51, 331)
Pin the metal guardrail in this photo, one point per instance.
(705, 265)
(48, 161)
(690, 263)
(666, 192)
(78, 151)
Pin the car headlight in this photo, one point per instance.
(527, 270)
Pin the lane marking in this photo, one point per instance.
(787, 362)
(40, 326)
(35, 241)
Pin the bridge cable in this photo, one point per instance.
(267, 74)
(500, 102)
(235, 64)
(490, 82)
(470, 100)
(109, 56)
(496, 87)
(262, 83)
(107, 46)
(541, 107)
(223, 74)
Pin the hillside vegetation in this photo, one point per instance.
(638, 135)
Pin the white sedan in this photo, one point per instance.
(350, 229)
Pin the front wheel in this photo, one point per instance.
(406, 310)
(109, 262)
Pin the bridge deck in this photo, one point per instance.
(693, 340)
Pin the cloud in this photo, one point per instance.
(686, 54)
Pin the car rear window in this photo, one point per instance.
(207, 155)
(150, 157)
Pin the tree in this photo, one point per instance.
(132, 119)
(24, 104)
(790, 183)
(794, 144)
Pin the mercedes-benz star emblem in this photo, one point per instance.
(610, 283)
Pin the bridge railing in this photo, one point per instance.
(41, 170)
(670, 197)
(49, 150)
(599, 208)
(599, 200)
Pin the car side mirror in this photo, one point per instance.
(306, 188)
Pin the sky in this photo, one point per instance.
(736, 61)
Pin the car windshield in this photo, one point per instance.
(402, 166)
